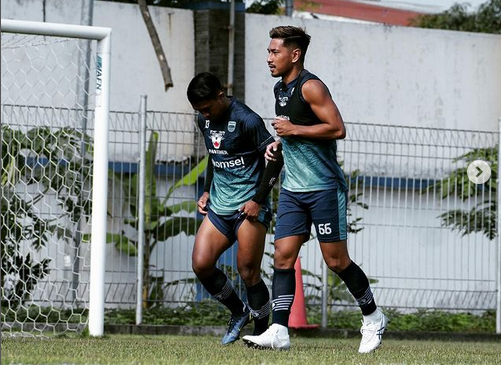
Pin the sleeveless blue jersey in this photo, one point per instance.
(236, 145)
(310, 164)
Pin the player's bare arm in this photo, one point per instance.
(316, 95)
(204, 199)
(202, 203)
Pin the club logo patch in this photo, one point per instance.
(207, 123)
(231, 126)
(282, 100)
(216, 138)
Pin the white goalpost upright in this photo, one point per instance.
(94, 296)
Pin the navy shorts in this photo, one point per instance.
(326, 209)
(229, 224)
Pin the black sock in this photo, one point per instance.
(358, 285)
(259, 303)
(221, 289)
(284, 288)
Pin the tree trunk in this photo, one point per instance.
(155, 40)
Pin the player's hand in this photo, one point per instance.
(283, 127)
(273, 150)
(202, 203)
(250, 210)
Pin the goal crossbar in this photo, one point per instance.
(55, 29)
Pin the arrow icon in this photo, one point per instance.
(479, 172)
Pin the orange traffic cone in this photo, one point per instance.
(297, 318)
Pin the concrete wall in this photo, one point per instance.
(377, 74)
(389, 75)
(135, 70)
(211, 51)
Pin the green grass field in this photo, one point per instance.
(146, 350)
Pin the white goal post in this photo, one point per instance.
(96, 291)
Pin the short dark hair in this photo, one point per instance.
(291, 35)
(204, 86)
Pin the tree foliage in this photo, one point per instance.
(482, 217)
(486, 20)
(266, 7)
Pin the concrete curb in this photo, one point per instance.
(316, 332)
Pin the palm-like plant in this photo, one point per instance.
(161, 219)
(482, 217)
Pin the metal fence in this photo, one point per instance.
(417, 261)
(412, 259)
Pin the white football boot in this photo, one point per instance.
(276, 337)
(373, 327)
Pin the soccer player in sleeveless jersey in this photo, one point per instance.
(314, 189)
(235, 201)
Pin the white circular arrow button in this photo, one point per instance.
(478, 172)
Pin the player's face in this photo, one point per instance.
(280, 58)
(211, 109)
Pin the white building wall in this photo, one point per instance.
(135, 69)
(377, 74)
(389, 75)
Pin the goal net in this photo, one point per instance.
(54, 119)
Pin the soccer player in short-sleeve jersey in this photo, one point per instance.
(235, 201)
(314, 190)
(236, 146)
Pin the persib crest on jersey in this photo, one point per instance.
(282, 100)
(216, 138)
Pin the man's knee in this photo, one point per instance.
(202, 268)
(249, 273)
(338, 264)
(284, 259)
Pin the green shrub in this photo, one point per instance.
(421, 320)
(211, 313)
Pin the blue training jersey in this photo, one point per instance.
(236, 145)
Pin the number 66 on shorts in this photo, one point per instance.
(326, 209)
